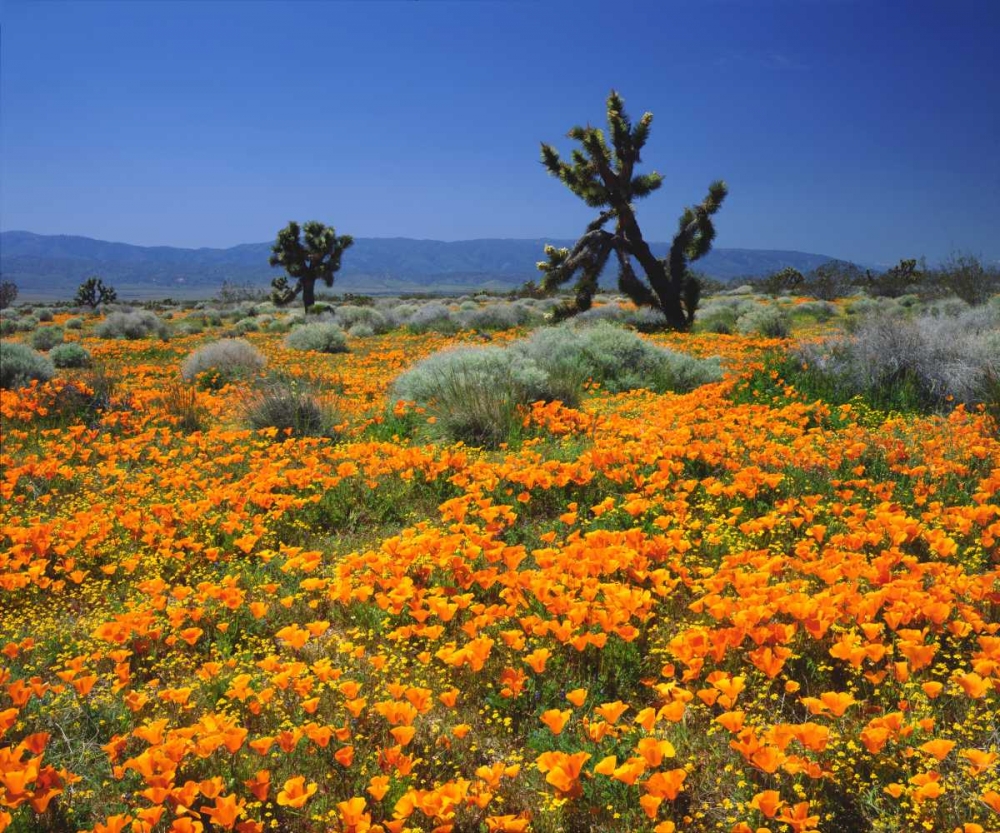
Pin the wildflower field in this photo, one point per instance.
(734, 609)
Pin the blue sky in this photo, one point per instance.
(866, 130)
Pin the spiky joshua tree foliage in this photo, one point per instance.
(604, 177)
(93, 292)
(314, 257)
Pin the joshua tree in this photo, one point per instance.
(604, 178)
(8, 293)
(92, 293)
(315, 258)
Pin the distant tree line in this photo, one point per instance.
(961, 275)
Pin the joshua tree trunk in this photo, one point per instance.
(308, 293)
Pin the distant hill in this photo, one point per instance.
(52, 266)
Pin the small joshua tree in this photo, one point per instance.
(316, 258)
(604, 177)
(8, 293)
(92, 293)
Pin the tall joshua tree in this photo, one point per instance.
(604, 177)
(314, 258)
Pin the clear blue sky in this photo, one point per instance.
(867, 130)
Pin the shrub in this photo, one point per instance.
(609, 313)
(321, 337)
(8, 326)
(717, 319)
(618, 359)
(350, 316)
(246, 325)
(73, 324)
(290, 406)
(361, 330)
(190, 327)
(965, 276)
(19, 365)
(46, 338)
(925, 363)
(134, 324)
(820, 310)
(279, 325)
(645, 320)
(473, 393)
(770, 322)
(948, 307)
(44, 315)
(432, 317)
(222, 362)
(69, 354)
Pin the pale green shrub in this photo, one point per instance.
(223, 362)
(19, 365)
(69, 354)
(768, 321)
(46, 338)
(131, 325)
(321, 337)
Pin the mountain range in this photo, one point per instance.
(52, 266)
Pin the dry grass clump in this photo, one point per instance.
(292, 407)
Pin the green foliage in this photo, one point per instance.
(306, 259)
(20, 365)
(767, 321)
(349, 316)
(46, 338)
(476, 394)
(69, 354)
(617, 359)
(604, 177)
(93, 292)
(321, 337)
(8, 293)
(473, 394)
